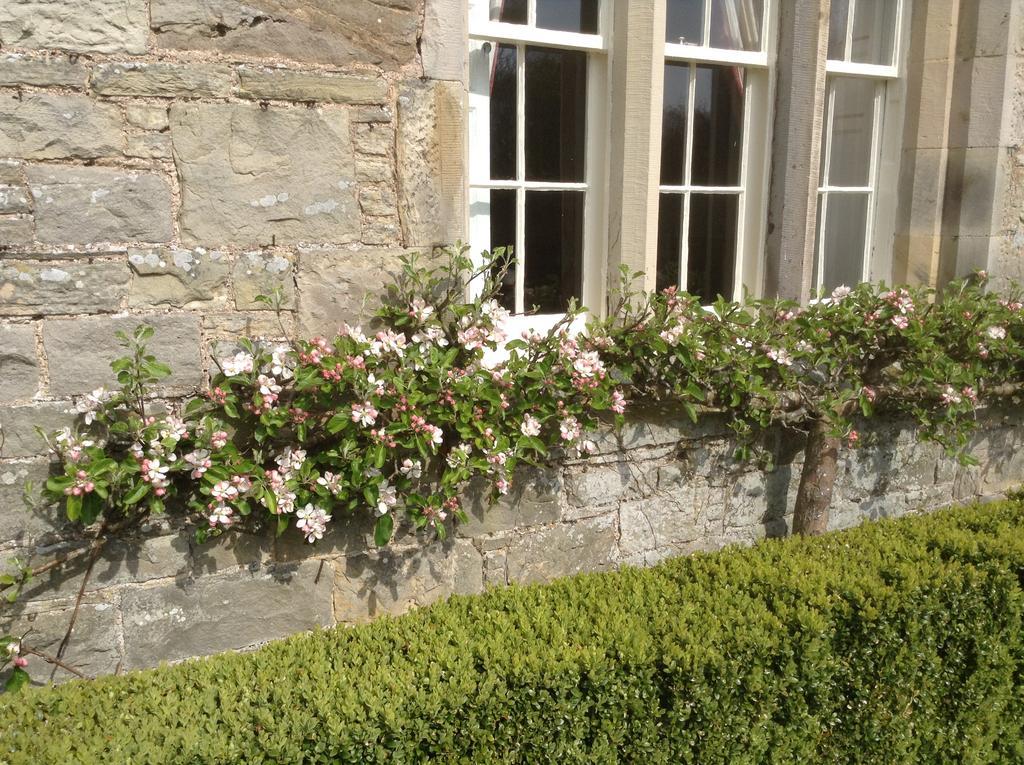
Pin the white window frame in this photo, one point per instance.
(755, 157)
(887, 125)
(482, 30)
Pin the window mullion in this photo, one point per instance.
(520, 253)
(848, 45)
(531, 13)
(829, 127)
(876, 133)
(684, 231)
(706, 25)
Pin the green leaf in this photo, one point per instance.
(194, 405)
(92, 506)
(282, 524)
(338, 422)
(19, 679)
(382, 532)
(74, 507)
(137, 494)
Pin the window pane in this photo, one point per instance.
(685, 22)
(503, 113)
(496, 209)
(712, 258)
(846, 220)
(554, 249)
(568, 15)
(717, 126)
(874, 27)
(509, 11)
(837, 29)
(556, 109)
(670, 223)
(673, 126)
(852, 128)
(736, 24)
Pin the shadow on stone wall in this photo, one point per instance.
(662, 487)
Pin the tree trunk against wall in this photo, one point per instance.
(817, 480)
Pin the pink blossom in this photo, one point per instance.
(312, 522)
(241, 363)
(618, 402)
(841, 292)
(570, 429)
(950, 396)
(224, 491)
(219, 439)
(997, 333)
(530, 426)
(220, 515)
(365, 414)
(900, 321)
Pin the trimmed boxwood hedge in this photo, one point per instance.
(896, 642)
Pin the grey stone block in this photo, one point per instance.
(285, 85)
(14, 200)
(375, 139)
(148, 145)
(147, 116)
(338, 286)
(178, 277)
(134, 78)
(254, 177)
(123, 561)
(16, 231)
(19, 523)
(378, 199)
(79, 351)
(94, 648)
(41, 71)
(58, 126)
(431, 162)
(85, 205)
(375, 169)
(224, 612)
(533, 500)
(318, 31)
(33, 288)
(663, 522)
(600, 485)
(19, 425)
(19, 367)
(260, 273)
(443, 44)
(91, 26)
(392, 581)
(563, 550)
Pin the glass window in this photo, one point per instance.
(701, 158)
(726, 24)
(863, 31)
(532, 134)
(861, 56)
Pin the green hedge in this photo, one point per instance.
(896, 642)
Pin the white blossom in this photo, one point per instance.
(241, 363)
(530, 426)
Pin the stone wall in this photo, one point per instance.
(661, 488)
(169, 161)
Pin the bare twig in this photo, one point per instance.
(52, 660)
(97, 549)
